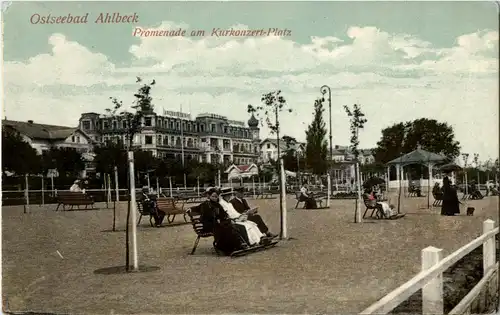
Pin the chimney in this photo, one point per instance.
(30, 121)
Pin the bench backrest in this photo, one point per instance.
(141, 209)
(166, 204)
(66, 195)
(370, 204)
(195, 216)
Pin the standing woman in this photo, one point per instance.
(451, 204)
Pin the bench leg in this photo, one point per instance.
(170, 220)
(195, 245)
(139, 221)
(58, 206)
(364, 214)
(297, 204)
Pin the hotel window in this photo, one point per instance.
(225, 129)
(202, 128)
(77, 139)
(165, 140)
(148, 139)
(105, 125)
(178, 126)
(160, 123)
(86, 125)
(115, 124)
(72, 138)
(158, 139)
(213, 127)
(147, 121)
(269, 146)
(124, 124)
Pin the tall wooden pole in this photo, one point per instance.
(133, 211)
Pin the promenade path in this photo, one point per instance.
(330, 265)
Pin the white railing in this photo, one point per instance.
(430, 279)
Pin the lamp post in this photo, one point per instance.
(465, 156)
(324, 89)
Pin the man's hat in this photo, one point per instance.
(225, 191)
(239, 189)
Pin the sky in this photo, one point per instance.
(399, 60)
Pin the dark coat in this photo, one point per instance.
(240, 206)
(215, 220)
(451, 204)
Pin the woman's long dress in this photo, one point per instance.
(253, 232)
(451, 205)
(216, 221)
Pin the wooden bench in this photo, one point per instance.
(298, 197)
(195, 216)
(172, 207)
(414, 191)
(144, 212)
(438, 199)
(69, 198)
(376, 209)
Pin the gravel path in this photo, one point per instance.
(330, 266)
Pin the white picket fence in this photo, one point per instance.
(430, 279)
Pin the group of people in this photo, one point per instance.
(234, 224)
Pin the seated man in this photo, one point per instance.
(240, 204)
(149, 203)
(253, 233)
(308, 198)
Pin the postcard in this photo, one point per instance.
(203, 157)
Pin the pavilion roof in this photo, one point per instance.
(418, 156)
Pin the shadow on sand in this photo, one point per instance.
(122, 270)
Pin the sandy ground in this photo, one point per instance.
(330, 265)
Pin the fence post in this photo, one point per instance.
(43, 191)
(432, 292)
(26, 195)
(489, 248)
(117, 189)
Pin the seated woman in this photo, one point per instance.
(215, 220)
(386, 208)
(76, 186)
(308, 198)
(437, 192)
(251, 229)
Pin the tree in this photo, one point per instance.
(133, 122)
(358, 121)
(316, 147)
(26, 160)
(273, 104)
(404, 137)
(67, 161)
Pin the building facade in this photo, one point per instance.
(208, 138)
(44, 137)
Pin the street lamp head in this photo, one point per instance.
(324, 89)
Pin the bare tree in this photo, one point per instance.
(357, 121)
(132, 125)
(273, 104)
